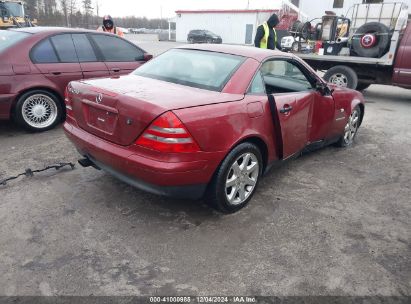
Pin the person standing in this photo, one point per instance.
(266, 36)
(108, 26)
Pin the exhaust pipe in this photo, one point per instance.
(86, 162)
(342, 40)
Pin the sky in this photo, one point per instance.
(167, 8)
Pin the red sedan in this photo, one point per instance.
(208, 120)
(37, 63)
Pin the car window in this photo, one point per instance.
(281, 76)
(64, 47)
(116, 49)
(84, 50)
(200, 69)
(9, 38)
(44, 53)
(257, 86)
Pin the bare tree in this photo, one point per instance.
(72, 8)
(64, 7)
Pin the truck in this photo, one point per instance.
(12, 15)
(379, 50)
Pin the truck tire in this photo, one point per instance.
(342, 76)
(371, 40)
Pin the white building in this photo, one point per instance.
(316, 8)
(234, 26)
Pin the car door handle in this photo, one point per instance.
(56, 73)
(115, 70)
(286, 109)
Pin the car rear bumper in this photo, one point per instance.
(6, 102)
(174, 179)
(185, 192)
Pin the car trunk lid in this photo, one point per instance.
(120, 109)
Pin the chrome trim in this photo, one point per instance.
(168, 140)
(168, 130)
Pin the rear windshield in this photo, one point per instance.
(9, 38)
(199, 69)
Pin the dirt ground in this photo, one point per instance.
(333, 222)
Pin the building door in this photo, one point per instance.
(249, 33)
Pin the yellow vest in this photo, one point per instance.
(264, 41)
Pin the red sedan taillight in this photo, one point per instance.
(168, 134)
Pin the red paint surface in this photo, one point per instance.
(402, 67)
(19, 74)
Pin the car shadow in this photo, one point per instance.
(9, 128)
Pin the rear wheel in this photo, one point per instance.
(38, 110)
(351, 128)
(342, 76)
(236, 180)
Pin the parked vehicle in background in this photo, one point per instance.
(12, 15)
(37, 63)
(203, 36)
(376, 50)
(208, 119)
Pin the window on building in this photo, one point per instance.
(338, 4)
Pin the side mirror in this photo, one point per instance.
(323, 88)
(147, 57)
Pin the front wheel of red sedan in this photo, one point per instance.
(236, 180)
(351, 128)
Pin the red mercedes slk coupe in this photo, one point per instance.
(208, 120)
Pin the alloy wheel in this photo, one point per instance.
(39, 111)
(242, 178)
(351, 127)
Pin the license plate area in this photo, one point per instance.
(100, 117)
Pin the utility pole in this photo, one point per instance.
(161, 17)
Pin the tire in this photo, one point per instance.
(209, 41)
(38, 110)
(361, 86)
(191, 40)
(342, 76)
(351, 128)
(218, 194)
(382, 40)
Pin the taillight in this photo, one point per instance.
(168, 134)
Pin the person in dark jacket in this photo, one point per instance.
(266, 36)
